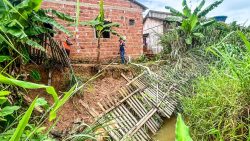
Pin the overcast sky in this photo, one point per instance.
(236, 10)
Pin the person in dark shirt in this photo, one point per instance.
(122, 49)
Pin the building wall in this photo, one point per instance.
(154, 29)
(121, 11)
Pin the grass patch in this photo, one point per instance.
(216, 112)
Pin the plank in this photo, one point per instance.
(137, 107)
(117, 104)
(129, 82)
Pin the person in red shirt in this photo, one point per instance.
(66, 43)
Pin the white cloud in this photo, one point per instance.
(236, 10)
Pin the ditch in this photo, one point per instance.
(167, 131)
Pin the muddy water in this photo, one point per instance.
(167, 131)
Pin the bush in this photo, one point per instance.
(217, 110)
(173, 44)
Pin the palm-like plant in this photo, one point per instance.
(100, 26)
(193, 20)
(20, 25)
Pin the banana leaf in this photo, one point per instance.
(209, 8)
(28, 85)
(182, 131)
(45, 19)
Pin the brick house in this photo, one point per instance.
(129, 13)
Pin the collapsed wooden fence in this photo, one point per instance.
(54, 52)
(136, 111)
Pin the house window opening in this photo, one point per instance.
(131, 22)
(105, 34)
(49, 26)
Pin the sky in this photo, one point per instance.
(236, 10)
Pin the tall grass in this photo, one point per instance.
(219, 110)
(212, 81)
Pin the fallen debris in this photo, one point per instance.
(136, 112)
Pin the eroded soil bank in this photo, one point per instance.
(73, 113)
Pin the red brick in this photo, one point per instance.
(109, 47)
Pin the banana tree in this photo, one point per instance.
(101, 26)
(20, 25)
(193, 20)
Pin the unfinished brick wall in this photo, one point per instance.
(120, 11)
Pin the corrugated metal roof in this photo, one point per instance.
(158, 15)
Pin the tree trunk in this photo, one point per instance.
(98, 50)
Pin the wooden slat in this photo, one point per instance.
(140, 110)
(114, 133)
(94, 114)
(117, 104)
(136, 109)
(133, 79)
(120, 112)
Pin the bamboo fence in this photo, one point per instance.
(137, 110)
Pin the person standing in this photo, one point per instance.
(122, 49)
(66, 42)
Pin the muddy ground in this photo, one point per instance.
(73, 112)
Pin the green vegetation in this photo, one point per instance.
(222, 97)
(101, 26)
(193, 21)
(190, 32)
(21, 24)
(207, 67)
(210, 74)
(182, 131)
